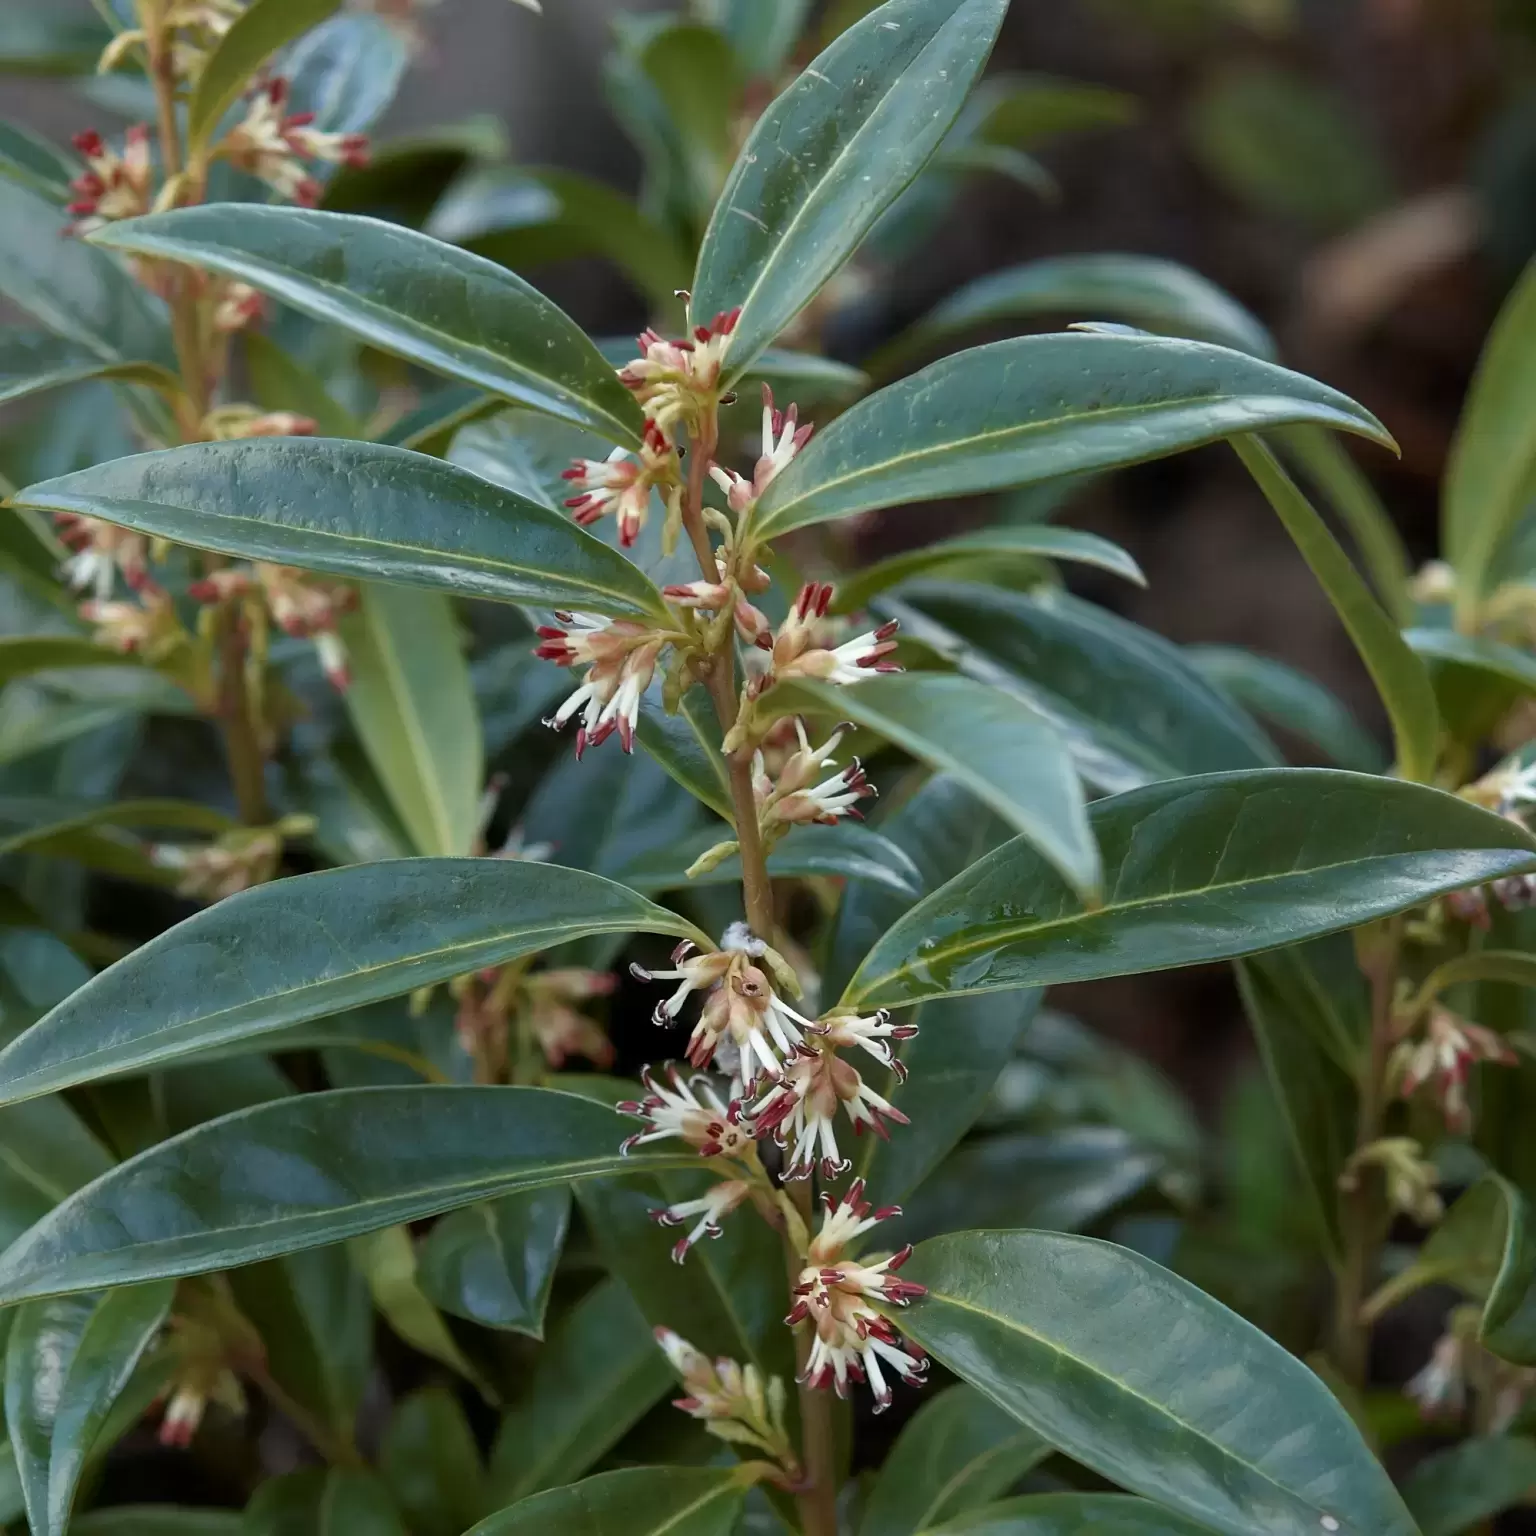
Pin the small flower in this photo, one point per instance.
(1444, 1054)
(800, 1110)
(677, 382)
(101, 550)
(270, 143)
(691, 1110)
(300, 603)
(561, 1030)
(800, 649)
(733, 1401)
(1412, 1180)
(833, 1293)
(692, 970)
(870, 1032)
(228, 423)
(198, 1386)
(710, 1209)
(783, 438)
(620, 657)
(112, 186)
(622, 484)
(147, 628)
(718, 596)
(796, 799)
(236, 305)
(1440, 1386)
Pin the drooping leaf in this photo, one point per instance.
(258, 32)
(1489, 477)
(958, 1452)
(402, 292)
(830, 155)
(1198, 869)
(1399, 675)
(1136, 1374)
(984, 549)
(1452, 1490)
(68, 1361)
(1067, 1514)
(309, 1170)
(639, 1501)
(362, 510)
(432, 1465)
(1157, 295)
(494, 1263)
(597, 1373)
(327, 942)
(1290, 699)
(1017, 412)
(1002, 749)
(410, 699)
(33, 361)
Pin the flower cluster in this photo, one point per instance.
(1412, 1181)
(1459, 1365)
(677, 383)
(240, 859)
(853, 1342)
(783, 438)
(99, 551)
(299, 603)
(113, 185)
(732, 1401)
(622, 484)
(271, 143)
(799, 793)
(620, 657)
(1441, 1052)
(149, 627)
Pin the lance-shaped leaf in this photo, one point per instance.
(1002, 749)
(361, 510)
(831, 154)
(404, 293)
(1464, 1485)
(32, 361)
(1476, 680)
(1205, 868)
(1146, 291)
(432, 1465)
(1070, 1514)
(309, 1170)
(1135, 1373)
(983, 550)
(640, 1501)
(68, 1360)
(1036, 408)
(311, 946)
(959, 1451)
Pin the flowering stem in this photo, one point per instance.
(818, 1500)
(247, 767)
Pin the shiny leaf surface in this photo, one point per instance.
(636, 1501)
(33, 361)
(1071, 1514)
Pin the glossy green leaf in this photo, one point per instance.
(1002, 749)
(1136, 1374)
(1399, 675)
(342, 1502)
(387, 1260)
(407, 175)
(361, 510)
(279, 382)
(309, 1170)
(830, 155)
(1290, 699)
(1489, 478)
(962, 1045)
(1070, 1514)
(804, 377)
(67, 1362)
(21, 655)
(1476, 680)
(346, 71)
(32, 361)
(322, 943)
(404, 293)
(1511, 965)
(637, 1501)
(1147, 291)
(432, 1465)
(687, 745)
(1128, 703)
(157, 1520)
(28, 825)
(74, 290)
(258, 32)
(1036, 408)
(46, 1153)
(696, 74)
(1207, 868)
(1452, 1490)
(412, 705)
(494, 1263)
(762, 35)
(959, 1451)
(986, 548)
(30, 159)
(597, 1373)
(847, 851)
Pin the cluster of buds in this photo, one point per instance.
(783, 438)
(620, 656)
(300, 603)
(196, 27)
(503, 1003)
(800, 794)
(149, 627)
(733, 1402)
(1412, 1181)
(852, 1341)
(622, 484)
(228, 423)
(1459, 1365)
(1509, 791)
(272, 143)
(677, 383)
(98, 552)
(726, 598)
(1441, 1052)
(113, 185)
(240, 859)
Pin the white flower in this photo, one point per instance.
(710, 1209)
(795, 799)
(112, 186)
(691, 1110)
(1444, 1054)
(621, 658)
(801, 647)
(870, 1032)
(270, 144)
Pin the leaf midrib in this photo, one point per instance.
(1111, 909)
(775, 517)
(499, 364)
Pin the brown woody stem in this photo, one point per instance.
(817, 1500)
